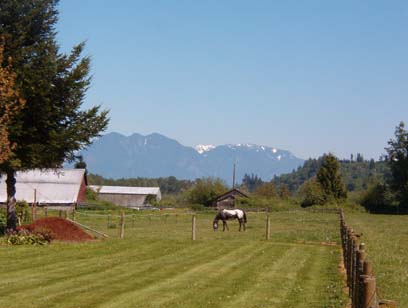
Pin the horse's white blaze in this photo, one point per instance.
(238, 213)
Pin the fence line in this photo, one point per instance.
(360, 278)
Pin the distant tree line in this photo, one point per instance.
(168, 185)
(357, 175)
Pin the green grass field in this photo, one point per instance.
(157, 264)
(386, 238)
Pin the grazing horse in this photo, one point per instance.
(225, 215)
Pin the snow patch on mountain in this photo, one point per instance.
(202, 148)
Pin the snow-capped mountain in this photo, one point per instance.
(116, 156)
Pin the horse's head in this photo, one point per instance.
(215, 225)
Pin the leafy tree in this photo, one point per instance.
(10, 104)
(397, 159)
(284, 192)
(330, 179)
(204, 191)
(266, 190)
(312, 193)
(51, 127)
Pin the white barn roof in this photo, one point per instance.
(127, 190)
(54, 186)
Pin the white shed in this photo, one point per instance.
(52, 186)
(126, 196)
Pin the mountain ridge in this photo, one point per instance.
(155, 155)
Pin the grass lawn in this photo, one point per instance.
(386, 239)
(157, 265)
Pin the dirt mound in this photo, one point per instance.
(62, 229)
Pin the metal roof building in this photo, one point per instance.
(126, 196)
(53, 186)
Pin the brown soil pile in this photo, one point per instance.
(62, 229)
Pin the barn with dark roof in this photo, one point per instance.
(227, 200)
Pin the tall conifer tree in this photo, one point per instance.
(330, 179)
(52, 126)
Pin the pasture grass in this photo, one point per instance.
(157, 264)
(386, 239)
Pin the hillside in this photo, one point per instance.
(357, 175)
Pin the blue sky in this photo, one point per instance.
(306, 76)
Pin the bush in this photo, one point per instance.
(25, 237)
(23, 212)
(91, 195)
(271, 204)
(3, 223)
(379, 199)
(198, 207)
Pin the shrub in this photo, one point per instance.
(198, 207)
(3, 223)
(91, 195)
(379, 199)
(23, 212)
(26, 237)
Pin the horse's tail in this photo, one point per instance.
(245, 220)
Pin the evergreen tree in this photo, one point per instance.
(397, 158)
(52, 126)
(80, 163)
(10, 104)
(371, 164)
(360, 158)
(330, 179)
(251, 182)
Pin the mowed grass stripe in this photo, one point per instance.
(276, 279)
(218, 265)
(56, 259)
(94, 261)
(72, 277)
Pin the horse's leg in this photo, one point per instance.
(226, 225)
(244, 226)
(223, 225)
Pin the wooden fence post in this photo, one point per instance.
(122, 224)
(369, 299)
(193, 228)
(73, 214)
(268, 227)
(46, 211)
(359, 271)
(34, 207)
(60, 213)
